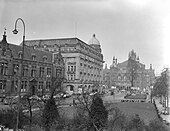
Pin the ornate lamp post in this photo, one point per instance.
(21, 69)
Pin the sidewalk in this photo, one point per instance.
(160, 108)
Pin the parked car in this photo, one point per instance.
(59, 95)
(66, 95)
(35, 97)
(164, 112)
(92, 93)
(46, 97)
(10, 100)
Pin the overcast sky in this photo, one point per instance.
(119, 25)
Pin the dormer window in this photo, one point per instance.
(33, 57)
(44, 58)
(20, 54)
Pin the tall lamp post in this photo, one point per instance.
(21, 68)
(151, 89)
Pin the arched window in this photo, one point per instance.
(119, 78)
(3, 68)
(20, 54)
(33, 57)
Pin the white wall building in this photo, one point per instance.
(83, 62)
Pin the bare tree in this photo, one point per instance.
(161, 86)
(88, 111)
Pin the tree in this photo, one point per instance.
(135, 124)
(50, 114)
(157, 125)
(132, 68)
(117, 120)
(8, 119)
(161, 86)
(28, 104)
(98, 113)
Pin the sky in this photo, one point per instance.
(119, 25)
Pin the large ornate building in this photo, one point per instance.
(40, 69)
(119, 76)
(83, 62)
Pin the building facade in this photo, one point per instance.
(83, 62)
(119, 76)
(40, 69)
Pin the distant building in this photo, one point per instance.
(119, 76)
(40, 69)
(83, 62)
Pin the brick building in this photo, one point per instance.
(119, 76)
(40, 69)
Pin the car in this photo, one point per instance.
(164, 112)
(66, 95)
(46, 97)
(92, 93)
(5, 101)
(34, 97)
(10, 100)
(59, 95)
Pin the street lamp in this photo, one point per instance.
(22, 57)
(151, 88)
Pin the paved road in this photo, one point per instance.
(160, 108)
(107, 98)
(113, 98)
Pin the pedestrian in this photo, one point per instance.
(74, 103)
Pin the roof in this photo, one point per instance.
(29, 51)
(125, 63)
(58, 42)
(94, 41)
(61, 41)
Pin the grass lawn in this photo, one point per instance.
(146, 111)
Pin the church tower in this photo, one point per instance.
(114, 63)
(132, 55)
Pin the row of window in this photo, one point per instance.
(87, 50)
(24, 85)
(86, 80)
(81, 73)
(63, 49)
(33, 56)
(90, 67)
(92, 62)
(40, 85)
(71, 68)
(33, 71)
(71, 77)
